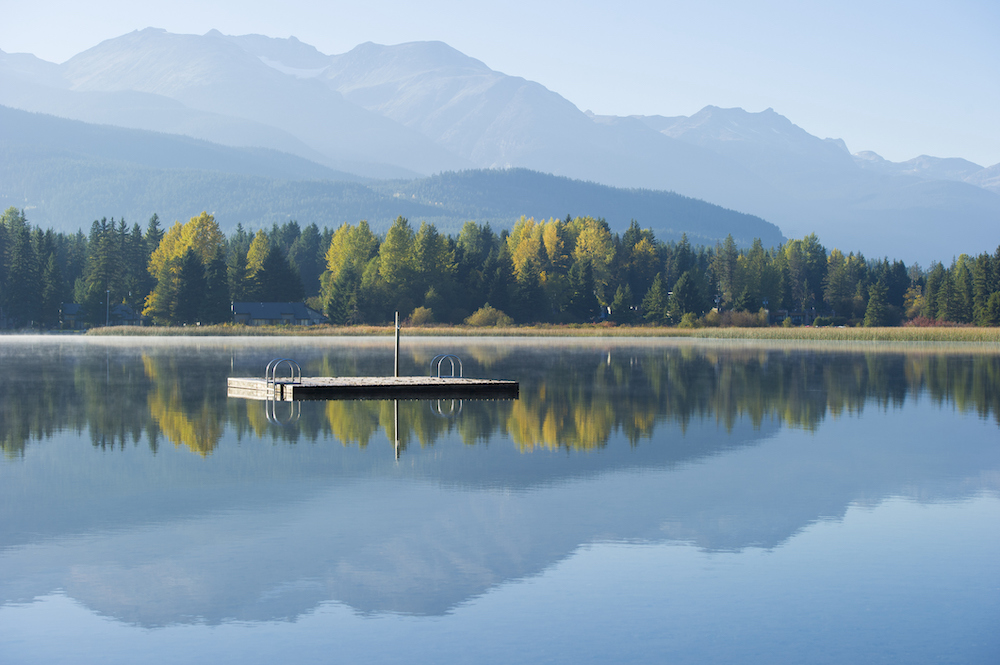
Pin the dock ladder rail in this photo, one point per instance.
(271, 372)
(271, 412)
(437, 408)
(450, 357)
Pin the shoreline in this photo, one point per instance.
(972, 335)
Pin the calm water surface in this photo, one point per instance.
(643, 501)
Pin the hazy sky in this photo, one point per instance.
(899, 78)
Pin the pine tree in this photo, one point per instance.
(154, 234)
(583, 304)
(935, 278)
(160, 303)
(52, 292)
(621, 306)
(963, 291)
(216, 307)
(529, 298)
(21, 289)
(498, 274)
(877, 313)
(726, 267)
(688, 296)
(277, 281)
(656, 301)
(982, 278)
(307, 257)
(190, 295)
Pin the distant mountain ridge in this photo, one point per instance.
(67, 173)
(421, 108)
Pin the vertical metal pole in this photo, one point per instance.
(395, 427)
(397, 345)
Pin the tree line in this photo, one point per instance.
(558, 270)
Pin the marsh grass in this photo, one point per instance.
(894, 334)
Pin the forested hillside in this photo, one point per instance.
(509, 193)
(66, 173)
(557, 270)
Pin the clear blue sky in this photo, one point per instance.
(900, 78)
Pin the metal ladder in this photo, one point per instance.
(450, 357)
(271, 373)
(271, 379)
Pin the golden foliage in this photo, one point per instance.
(201, 233)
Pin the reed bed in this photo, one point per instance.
(894, 334)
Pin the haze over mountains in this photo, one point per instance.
(65, 173)
(422, 108)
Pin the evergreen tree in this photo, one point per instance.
(190, 295)
(277, 281)
(583, 304)
(216, 307)
(726, 268)
(877, 313)
(621, 306)
(687, 295)
(20, 294)
(528, 304)
(341, 305)
(745, 301)
(154, 234)
(237, 247)
(497, 277)
(946, 301)
(982, 278)
(53, 289)
(307, 257)
(136, 282)
(992, 316)
(963, 291)
(655, 304)
(935, 278)
(161, 302)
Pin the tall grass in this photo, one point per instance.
(894, 334)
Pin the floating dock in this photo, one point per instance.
(371, 387)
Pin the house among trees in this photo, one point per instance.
(123, 315)
(275, 314)
(71, 316)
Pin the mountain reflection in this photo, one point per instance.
(571, 398)
(621, 442)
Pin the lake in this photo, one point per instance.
(642, 501)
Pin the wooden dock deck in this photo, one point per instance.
(372, 387)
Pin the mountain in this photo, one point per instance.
(499, 121)
(66, 173)
(49, 135)
(506, 194)
(422, 108)
(933, 168)
(988, 178)
(854, 202)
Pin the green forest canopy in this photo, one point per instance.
(557, 270)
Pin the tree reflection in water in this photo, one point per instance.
(573, 397)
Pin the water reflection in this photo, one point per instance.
(723, 447)
(573, 397)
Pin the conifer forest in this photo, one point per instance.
(572, 270)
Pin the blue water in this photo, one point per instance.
(644, 501)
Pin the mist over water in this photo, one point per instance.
(640, 499)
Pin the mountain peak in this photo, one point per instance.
(411, 58)
(289, 53)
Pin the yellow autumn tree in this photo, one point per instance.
(201, 233)
(525, 244)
